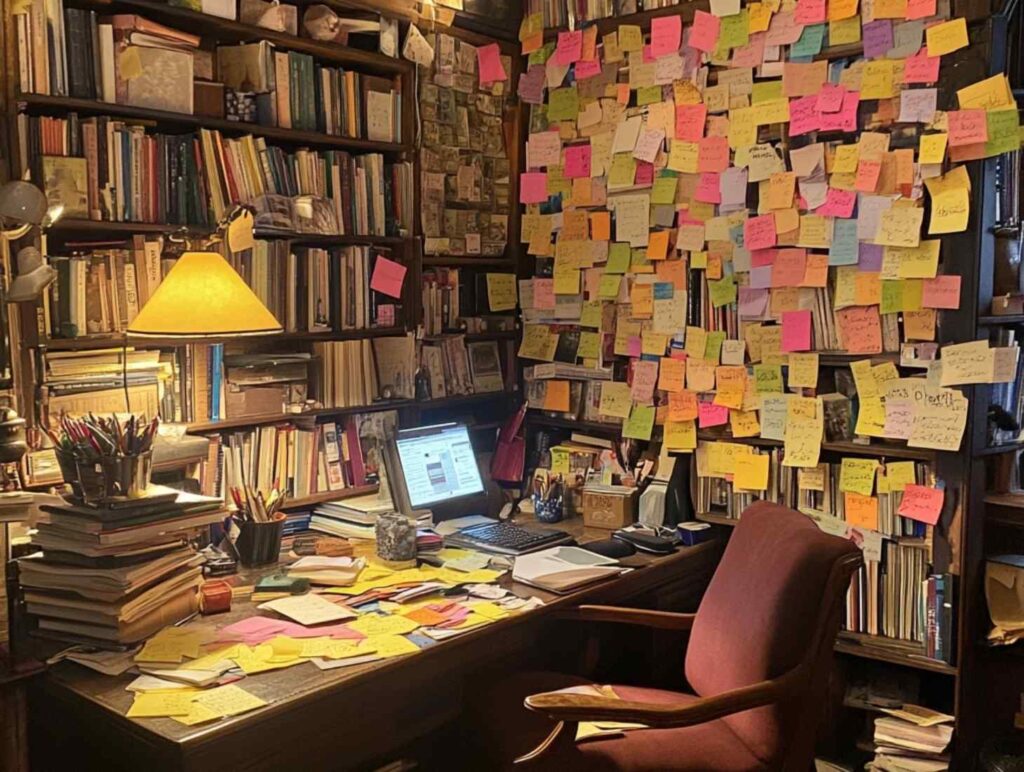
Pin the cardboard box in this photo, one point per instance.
(609, 509)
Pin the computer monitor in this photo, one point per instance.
(437, 465)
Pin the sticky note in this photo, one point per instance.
(387, 277)
(489, 64)
(922, 503)
(556, 396)
(947, 37)
(533, 187)
(750, 472)
(640, 423)
(666, 34)
(501, 291)
(857, 475)
(704, 32)
(861, 511)
(796, 330)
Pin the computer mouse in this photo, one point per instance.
(610, 548)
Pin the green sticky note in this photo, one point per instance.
(640, 423)
(1003, 132)
(766, 90)
(713, 345)
(768, 379)
(622, 172)
(590, 316)
(608, 288)
(722, 292)
(648, 95)
(618, 257)
(664, 190)
(563, 104)
(892, 297)
(735, 30)
(638, 260)
(590, 345)
(542, 54)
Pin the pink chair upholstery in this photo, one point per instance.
(757, 662)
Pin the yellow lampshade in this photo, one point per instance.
(202, 295)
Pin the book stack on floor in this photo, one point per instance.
(114, 575)
(912, 739)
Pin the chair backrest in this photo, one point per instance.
(773, 603)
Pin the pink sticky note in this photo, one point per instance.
(789, 268)
(713, 154)
(921, 68)
(708, 189)
(750, 55)
(759, 232)
(704, 32)
(920, 9)
(570, 46)
(690, 121)
(762, 257)
(922, 503)
(796, 330)
(845, 119)
(810, 12)
(387, 277)
(709, 414)
(666, 32)
(830, 98)
(533, 187)
(644, 176)
(803, 115)
(941, 292)
(586, 70)
(967, 127)
(577, 161)
(634, 346)
(488, 62)
(838, 203)
(544, 294)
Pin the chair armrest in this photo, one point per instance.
(566, 706)
(662, 620)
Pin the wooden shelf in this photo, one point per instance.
(244, 422)
(888, 650)
(593, 427)
(471, 336)
(840, 358)
(462, 262)
(711, 517)
(101, 228)
(995, 450)
(228, 31)
(995, 320)
(91, 342)
(875, 449)
(165, 119)
(324, 496)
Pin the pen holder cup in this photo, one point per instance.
(94, 481)
(548, 510)
(259, 543)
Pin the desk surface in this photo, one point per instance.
(303, 685)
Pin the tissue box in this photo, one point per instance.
(694, 533)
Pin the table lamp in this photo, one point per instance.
(202, 296)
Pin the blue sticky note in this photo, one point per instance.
(663, 290)
(844, 249)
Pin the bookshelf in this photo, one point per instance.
(953, 547)
(76, 234)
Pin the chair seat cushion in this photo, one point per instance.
(505, 728)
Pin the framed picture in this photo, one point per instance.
(485, 366)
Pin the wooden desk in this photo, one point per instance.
(336, 719)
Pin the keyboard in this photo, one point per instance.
(506, 539)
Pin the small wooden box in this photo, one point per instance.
(208, 99)
(603, 509)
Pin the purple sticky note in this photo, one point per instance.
(869, 257)
(752, 302)
(761, 277)
(877, 38)
(531, 85)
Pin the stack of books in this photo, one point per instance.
(912, 739)
(353, 518)
(116, 574)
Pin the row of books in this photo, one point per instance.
(105, 169)
(114, 576)
(816, 489)
(453, 298)
(887, 596)
(571, 13)
(301, 460)
(294, 91)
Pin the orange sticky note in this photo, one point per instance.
(601, 226)
(682, 405)
(556, 396)
(672, 271)
(657, 245)
(672, 375)
(861, 511)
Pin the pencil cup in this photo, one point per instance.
(79, 481)
(114, 477)
(396, 537)
(259, 543)
(548, 510)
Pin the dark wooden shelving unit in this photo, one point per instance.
(165, 119)
(92, 342)
(323, 497)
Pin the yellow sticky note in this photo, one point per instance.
(538, 342)
(680, 435)
(682, 156)
(129, 63)
(899, 474)
(590, 345)
(951, 202)
(229, 700)
(501, 291)
(744, 423)
(371, 625)
(947, 37)
(154, 704)
(696, 342)
(640, 423)
(857, 475)
(630, 37)
(803, 370)
(616, 399)
(750, 472)
(933, 148)
(388, 646)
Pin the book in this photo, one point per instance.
(550, 570)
